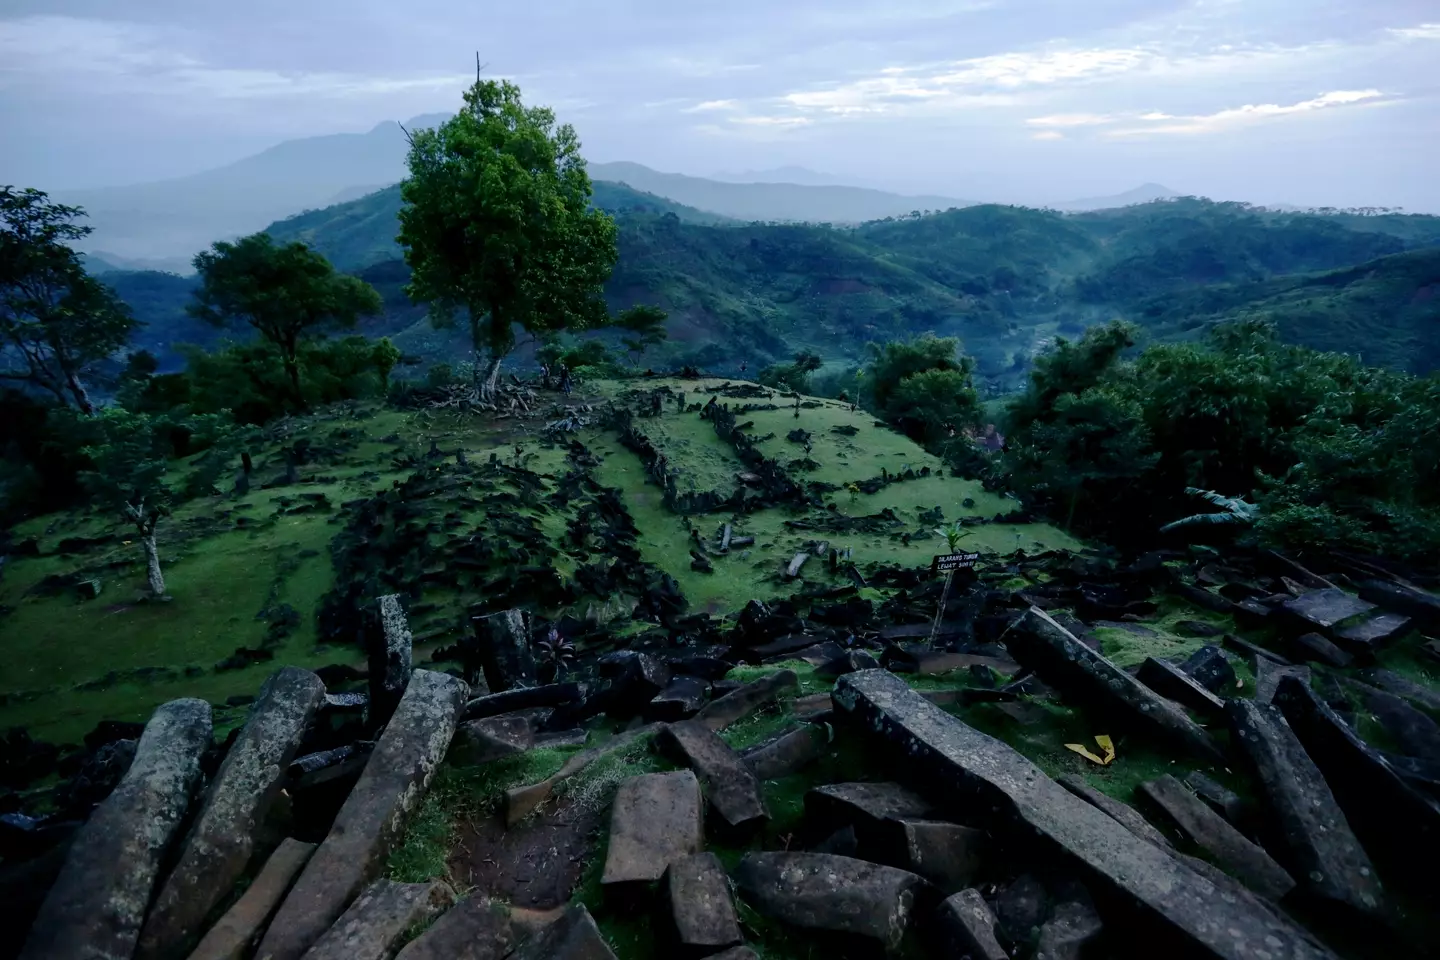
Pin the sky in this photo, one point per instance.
(1308, 102)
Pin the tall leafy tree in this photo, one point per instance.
(497, 224)
(289, 294)
(56, 321)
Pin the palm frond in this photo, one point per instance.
(1203, 518)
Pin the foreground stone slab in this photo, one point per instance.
(1394, 820)
(1421, 605)
(523, 698)
(697, 904)
(719, 714)
(236, 932)
(682, 697)
(1069, 666)
(1069, 930)
(1202, 827)
(573, 936)
(788, 753)
(819, 891)
(967, 927)
(1269, 674)
(1314, 646)
(655, 819)
(1171, 682)
(379, 918)
(1187, 910)
(374, 816)
(1211, 669)
(1323, 851)
(1125, 814)
(733, 791)
(222, 841)
(1325, 608)
(95, 909)
(473, 929)
(505, 653)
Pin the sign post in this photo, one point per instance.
(949, 562)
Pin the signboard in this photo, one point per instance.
(954, 561)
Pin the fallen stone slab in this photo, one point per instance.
(732, 790)
(719, 714)
(95, 908)
(847, 662)
(1200, 827)
(788, 753)
(966, 927)
(655, 819)
(1212, 670)
(1421, 605)
(947, 854)
(1171, 682)
(1071, 928)
(785, 647)
(1203, 598)
(1269, 674)
(220, 844)
(1069, 666)
(389, 649)
(812, 705)
(1125, 814)
(1369, 636)
(1325, 608)
(522, 801)
(567, 739)
(697, 906)
(373, 817)
(819, 891)
(379, 919)
(1413, 732)
(475, 928)
(1223, 801)
(682, 697)
(867, 807)
(1321, 849)
(481, 741)
(524, 698)
(327, 765)
(573, 936)
(236, 932)
(1252, 652)
(1315, 647)
(1183, 908)
(815, 654)
(930, 662)
(1426, 698)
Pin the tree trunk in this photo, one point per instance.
(292, 370)
(153, 577)
(492, 375)
(81, 395)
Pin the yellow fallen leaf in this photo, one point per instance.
(1105, 744)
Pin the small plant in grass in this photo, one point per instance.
(953, 534)
(556, 653)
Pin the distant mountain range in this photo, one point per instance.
(161, 225)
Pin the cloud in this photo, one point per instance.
(1070, 120)
(1422, 31)
(1163, 123)
(131, 58)
(1047, 135)
(711, 105)
(772, 121)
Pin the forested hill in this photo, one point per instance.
(1003, 279)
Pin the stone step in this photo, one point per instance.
(219, 846)
(1187, 912)
(236, 932)
(655, 819)
(374, 925)
(95, 909)
(373, 817)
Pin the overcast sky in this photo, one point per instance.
(1277, 101)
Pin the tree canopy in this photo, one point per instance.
(497, 223)
(56, 321)
(288, 293)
